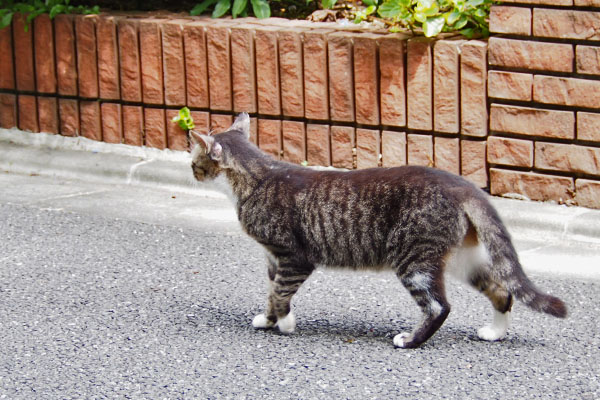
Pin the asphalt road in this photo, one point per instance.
(125, 292)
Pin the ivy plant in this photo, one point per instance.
(239, 8)
(33, 8)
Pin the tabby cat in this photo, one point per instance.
(419, 222)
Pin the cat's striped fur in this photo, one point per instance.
(419, 222)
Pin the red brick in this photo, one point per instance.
(290, 70)
(129, 60)
(342, 145)
(89, 116)
(43, 41)
(420, 150)
(532, 185)
(87, 60)
(23, 52)
(318, 145)
(201, 121)
(366, 90)
(473, 88)
(510, 85)
(108, 58)
(472, 165)
(48, 114)
(151, 62)
(530, 55)
(28, 118)
(567, 158)
(219, 67)
(446, 152)
(367, 148)
(254, 130)
(112, 126)
(269, 137)
(446, 86)
(588, 59)
(220, 123)
(316, 94)
(8, 110)
(506, 151)
(196, 69)
(543, 2)
(133, 125)
(419, 85)
(7, 70)
(267, 72)
(393, 148)
(566, 91)
(243, 69)
(588, 126)
(587, 193)
(176, 137)
(294, 141)
(566, 24)
(173, 63)
(341, 81)
(68, 112)
(66, 68)
(587, 3)
(513, 20)
(532, 121)
(155, 129)
(392, 88)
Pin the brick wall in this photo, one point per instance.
(544, 91)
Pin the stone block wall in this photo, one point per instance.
(544, 91)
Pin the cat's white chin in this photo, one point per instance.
(401, 339)
(262, 322)
(287, 324)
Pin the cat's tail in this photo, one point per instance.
(505, 266)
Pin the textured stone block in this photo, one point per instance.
(90, 120)
(155, 128)
(23, 53)
(392, 87)
(196, 68)
(8, 110)
(588, 126)
(587, 3)
(342, 145)
(68, 112)
(587, 193)
(87, 59)
(420, 150)
(267, 72)
(219, 67)
(201, 121)
(112, 126)
(566, 24)
(506, 151)
(316, 92)
(419, 85)
(566, 91)
(269, 137)
(531, 185)
(542, 2)
(7, 68)
(446, 86)
(243, 69)
(290, 72)
(588, 59)
(472, 165)
(341, 80)
(294, 141)
(43, 41)
(446, 152)
(567, 158)
(108, 58)
(133, 125)
(177, 138)
(366, 88)
(220, 123)
(129, 60)
(393, 148)
(151, 62)
(66, 68)
(532, 121)
(28, 117)
(367, 148)
(510, 85)
(48, 114)
(530, 55)
(473, 88)
(513, 20)
(318, 145)
(173, 63)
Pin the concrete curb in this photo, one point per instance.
(84, 159)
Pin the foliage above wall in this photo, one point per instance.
(33, 8)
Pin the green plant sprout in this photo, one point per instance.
(184, 119)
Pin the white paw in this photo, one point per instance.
(490, 334)
(287, 324)
(262, 322)
(401, 339)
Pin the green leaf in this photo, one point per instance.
(452, 17)
(6, 20)
(474, 3)
(261, 9)
(390, 9)
(469, 32)
(238, 7)
(221, 8)
(433, 26)
(57, 9)
(328, 4)
(462, 21)
(480, 12)
(370, 2)
(201, 7)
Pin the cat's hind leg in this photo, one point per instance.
(501, 300)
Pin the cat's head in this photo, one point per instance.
(210, 155)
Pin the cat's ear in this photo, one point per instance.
(212, 148)
(242, 124)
